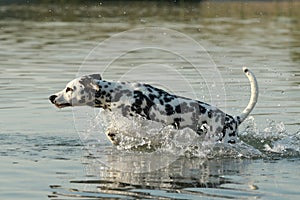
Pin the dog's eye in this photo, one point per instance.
(69, 89)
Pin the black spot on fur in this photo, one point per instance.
(161, 102)
(184, 108)
(167, 100)
(125, 109)
(176, 122)
(178, 109)
(152, 97)
(201, 130)
(97, 102)
(138, 106)
(202, 110)
(231, 142)
(118, 94)
(238, 119)
(82, 100)
(111, 135)
(209, 114)
(169, 109)
(232, 134)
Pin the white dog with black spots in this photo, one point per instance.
(140, 99)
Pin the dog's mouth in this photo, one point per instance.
(62, 105)
(53, 98)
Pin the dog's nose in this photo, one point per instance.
(52, 98)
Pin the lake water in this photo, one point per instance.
(195, 50)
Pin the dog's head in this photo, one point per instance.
(78, 92)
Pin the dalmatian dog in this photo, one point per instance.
(151, 103)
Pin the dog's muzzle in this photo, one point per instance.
(52, 98)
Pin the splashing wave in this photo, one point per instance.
(144, 136)
(273, 140)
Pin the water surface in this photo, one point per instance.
(42, 47)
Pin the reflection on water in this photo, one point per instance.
(42, 47)
(182, 179)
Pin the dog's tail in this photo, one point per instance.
(253, 98)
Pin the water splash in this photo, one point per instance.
(145, 136)
(273, 140)
(287, 146)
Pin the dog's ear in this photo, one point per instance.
(95, 86)
(90, 81)
(95, 76)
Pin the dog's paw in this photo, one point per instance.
(112, 136)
